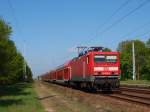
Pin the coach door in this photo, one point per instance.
(84, 69)
(66, 74)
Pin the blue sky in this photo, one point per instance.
(51, 29)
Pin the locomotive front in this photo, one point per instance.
(106, 69)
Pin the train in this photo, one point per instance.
(93, 69)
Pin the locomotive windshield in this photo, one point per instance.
(102, 58)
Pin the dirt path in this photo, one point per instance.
(62, 99)
(56, 102)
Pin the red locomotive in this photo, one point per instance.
(92, 69)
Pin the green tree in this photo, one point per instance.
(11, 61)
(141, 53)
(5, 30)
(148, 43)
(29, 74)
(107, 50)
(146, 67)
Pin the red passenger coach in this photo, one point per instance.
(92, 69)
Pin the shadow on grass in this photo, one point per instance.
(8, 102)
(9, 94)
(17, 89)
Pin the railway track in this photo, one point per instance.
(128, 94)
(133, 94)
(136, 89)
(98, 98)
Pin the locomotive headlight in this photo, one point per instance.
(98, 68)
(113, 68)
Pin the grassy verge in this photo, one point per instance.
(19, 98)
(136, 82)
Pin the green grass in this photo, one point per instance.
(136, 82)
(19, 98)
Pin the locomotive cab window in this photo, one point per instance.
(99, 59)
(102, 58)
(111, 59)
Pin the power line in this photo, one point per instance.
(111, 16)
(136, 29)
(125, 16)
(145, 33)
(114, 13)
(15, 19)
(13, 14)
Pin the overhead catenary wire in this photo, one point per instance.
(125, 16)
(14, 15)
(136, 29)
(122, 18)
(16, 20)
(114, 13)
(143, 34)
(124, 4)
